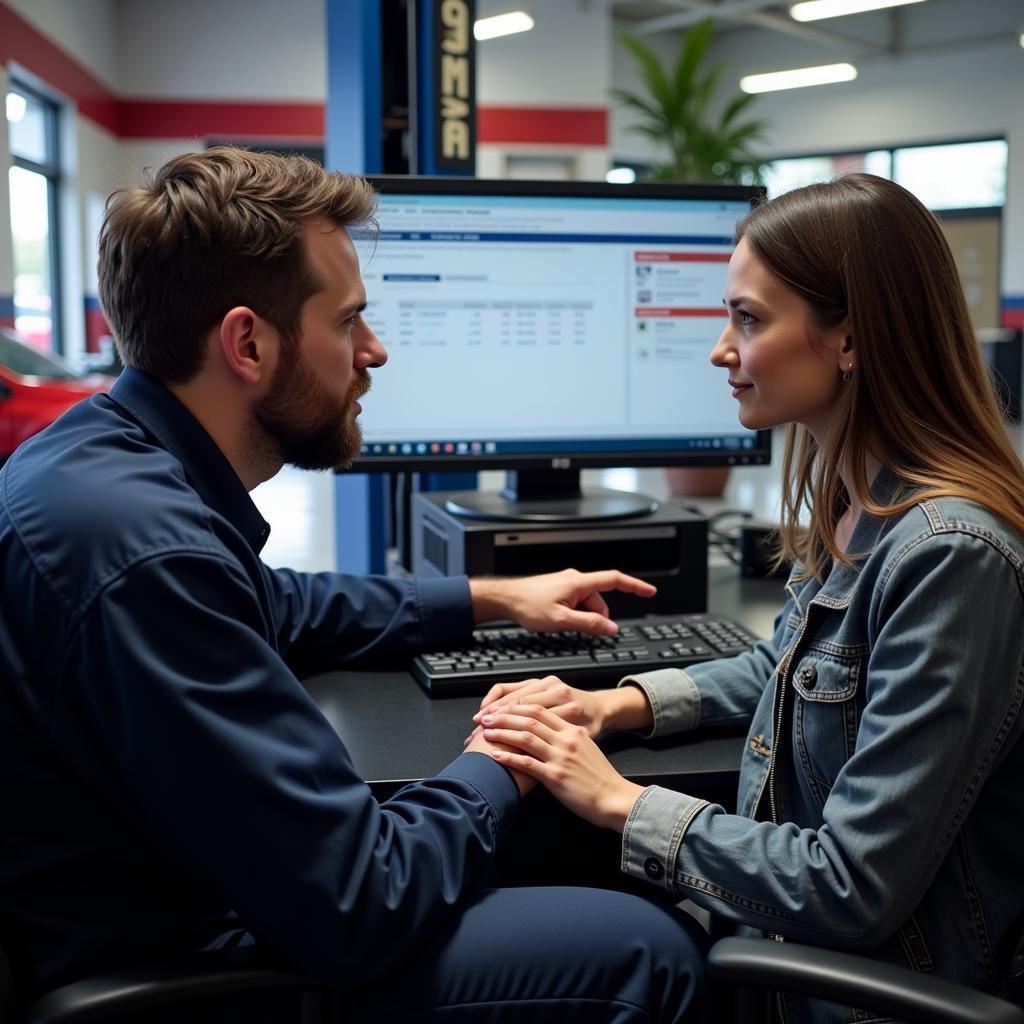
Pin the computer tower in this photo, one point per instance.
(667, 547)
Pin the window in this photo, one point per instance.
(34, 179)
(963, 176)
(953, 176)
(784, 175)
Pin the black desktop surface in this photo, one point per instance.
(395, 734)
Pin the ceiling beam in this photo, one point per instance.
(780, 23)
(749, 12)
(695, 12)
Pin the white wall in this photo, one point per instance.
(915, 98)
(222, 49)
(562, 62)
(100, 170)
(85, 28)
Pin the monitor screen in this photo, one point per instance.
(550, 324)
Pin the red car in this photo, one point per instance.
(35, 388)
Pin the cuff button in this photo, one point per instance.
(653, 868)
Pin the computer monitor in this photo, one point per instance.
(544, 327)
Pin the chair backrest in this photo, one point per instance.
(1015, 983)
(8, 993)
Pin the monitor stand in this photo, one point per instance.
(549, 496)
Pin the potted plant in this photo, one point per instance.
(699, 139)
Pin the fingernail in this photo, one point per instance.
(487, 719)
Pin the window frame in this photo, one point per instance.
(51, 171)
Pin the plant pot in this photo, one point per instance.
(698, 481)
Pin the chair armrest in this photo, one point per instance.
(139, 989)
(855, 981)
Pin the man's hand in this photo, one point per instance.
(556, 601)
(478, 745)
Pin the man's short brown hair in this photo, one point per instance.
(208, 232)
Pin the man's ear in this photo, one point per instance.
(247, 343)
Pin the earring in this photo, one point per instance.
(848, 375)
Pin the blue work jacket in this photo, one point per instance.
(166, 783)
(880, 803)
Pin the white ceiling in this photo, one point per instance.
(927, 27)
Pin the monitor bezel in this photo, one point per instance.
(759, 455)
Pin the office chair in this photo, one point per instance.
(851, 980)
(138, 991)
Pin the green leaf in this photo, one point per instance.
(674, 110)
(736, 107)
(692, 52)
(651, 71)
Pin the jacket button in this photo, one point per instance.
(808, 676)
(653, 868)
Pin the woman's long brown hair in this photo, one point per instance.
(920, 400)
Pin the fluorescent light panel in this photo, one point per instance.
(621, 176)
(502, 25)
(816, 10)
(798, 78)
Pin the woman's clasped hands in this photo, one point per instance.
(548, 729)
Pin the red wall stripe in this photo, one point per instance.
(21, 42)
(169, 119)
(574, 126)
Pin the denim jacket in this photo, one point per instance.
(880, 803)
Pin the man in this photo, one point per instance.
(168, 785)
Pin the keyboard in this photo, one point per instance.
(502, 655)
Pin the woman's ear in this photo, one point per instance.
(839, 340)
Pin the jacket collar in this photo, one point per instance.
(180, 433)
(837, 589)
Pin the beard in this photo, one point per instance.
(304, 424)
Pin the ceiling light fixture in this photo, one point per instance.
(816, 10)
(16, 107)
(798, 78)
(502, 25)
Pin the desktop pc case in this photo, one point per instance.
(668, 547)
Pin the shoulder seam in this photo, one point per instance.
(939, 525)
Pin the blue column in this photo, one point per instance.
(353, 144)
(434, 40)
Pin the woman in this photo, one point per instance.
(880, 803)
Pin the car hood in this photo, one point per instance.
(70, 389)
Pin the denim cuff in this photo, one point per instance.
(674, 699)
(654, 834)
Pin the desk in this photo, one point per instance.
(395, 734)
